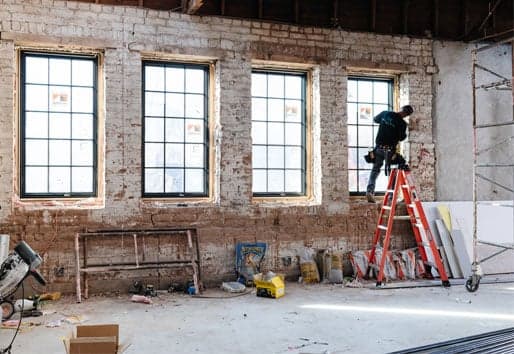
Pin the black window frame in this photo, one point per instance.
(206, 141)
(304, 76)
(390, 106)
(23, 111)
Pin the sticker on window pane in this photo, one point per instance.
(154, 129)
(36, 179)
(293, 134)
(36, 98)
(194, 181)
(174, 182)
(352, 113)
(293, 111)
(276, 86)
(293, 157)
(82, 72)
(174, 155)
(82, 153)
(352, 135)
(259, 85)
(352, 180)
(154, 155)
(60, 125)
(154, 180)
(59, 99)
(352, 91)
(194, 131)
(275, 110)
(59, 152)
(36, 70)
(36, 125)
(293, 87)
(82, 126)
(259, 159)
(275, 157)
(82, 100)
(258, 109)
(194, 106)
(81, 179)
(175, 130)
(195, 80)
(154, 78)
(366, 138)
(174, 79)
(259, 132)
(275, 181)
(174, 105)
(259, 181)
(352, 158)
(36, 152)
(365, 114)
(293, 181)
(381, 92)
(365, 91)
(154, 104)
(60, 71)
(194, 155)
(59, 180)
(275, 133)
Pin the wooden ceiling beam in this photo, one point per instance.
(222, 5)
(405, 16)
(190, 7)
(373, 15)
(297, 11)
(435, 24)
(260, 6)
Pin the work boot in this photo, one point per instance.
(371, 197)
(404, 167)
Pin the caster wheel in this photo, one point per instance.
(472, 284)
(7, 310)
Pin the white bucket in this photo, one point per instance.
(4, 247)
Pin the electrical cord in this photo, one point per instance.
(7, 350)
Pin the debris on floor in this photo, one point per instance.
(141, 299)
(233, 287)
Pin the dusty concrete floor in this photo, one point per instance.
(309, 319)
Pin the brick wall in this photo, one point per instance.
(123, 33)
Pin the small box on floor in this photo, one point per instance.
(270, 285)
(95, 339)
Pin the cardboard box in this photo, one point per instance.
(95, 339)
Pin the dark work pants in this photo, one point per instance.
(380, 155)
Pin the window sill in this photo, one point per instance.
(284, 201)
(152, 203)
(65, 203)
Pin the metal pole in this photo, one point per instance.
(474, 267)
(77, 265)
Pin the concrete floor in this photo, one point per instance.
(308, 319)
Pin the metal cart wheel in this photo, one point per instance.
(7, 309)
(472, 283)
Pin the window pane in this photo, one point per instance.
(259, 181)
(377, 108)
(194, 131)
(363, 180)
(293, 134)
(352, 113)
(352, 135)
(59, 180)
(60, 71)
(194, 181)
(59, 152)
(352, 91)
(381, 92)
(293, 87)
(36, 70)
(293, 157)
(259, 133)
(82, 126)
(60, 99)
(362, 163)
(259, 109)
(36, 125)
(36, 179)
(82, 100)
(82, 179)
(195, 80)
(154, 180)
(174, 155)
(259, 85)
(36, 98)
(276, 86)
(365, 91)
(36, 152)
(352, 180)
(381, 183)
(60, 125)
(154, 129)
(154, 104)
(82, 72)
(275, 181)
(194, 106)
(174, 130)
(259, 159)
(154, 78)
(293, 111)
(365, 114)
(276, 110)
(174, 105)
(194, 155)
(174, 181)
(154, 155)
(366, 138)
(275, 157)
(352, 158)
(82, 153)
(175, 79)
(293, 181)
(275, 133)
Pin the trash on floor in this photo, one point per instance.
(95, 339)
(269, 285)
(53, 324)
(75, 319)
(141, 299)
(233, 287)
(50, 296)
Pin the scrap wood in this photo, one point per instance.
(24, 326)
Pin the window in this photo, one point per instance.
(58, 125)
(278, 133)
(367, 97)
(175, 130)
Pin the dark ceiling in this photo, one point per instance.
(465, 20)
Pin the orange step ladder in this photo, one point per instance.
(401, 181)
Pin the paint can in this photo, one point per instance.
(4, 247)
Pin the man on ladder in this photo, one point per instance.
(392, 129)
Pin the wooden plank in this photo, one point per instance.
(373, 15)
(435, 25)
(461, 252)
(448, 246)
(444, 212)
(222, 5)
(405, 16)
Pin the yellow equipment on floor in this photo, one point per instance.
(273, 287)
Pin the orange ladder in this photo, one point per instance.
(400, 180)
